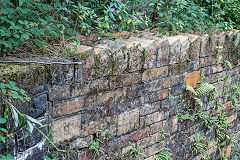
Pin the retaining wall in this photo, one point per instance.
(130, 90)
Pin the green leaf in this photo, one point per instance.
(15, 95)
(22, 121)
(20, 2)
(16, 36)
(4, 130)
(13, 84)
(10, 157)
(4, 91)
(3, 120)
(2, 139)
(33, 120)
(21, 22)
(25, 36)
(15, 117)
(30, 126)
(47, 158)
(6, 113)
(23, 92)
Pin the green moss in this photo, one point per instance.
(28, 76)
(76, 55)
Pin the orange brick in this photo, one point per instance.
(193, 79)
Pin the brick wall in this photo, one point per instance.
(122, 91)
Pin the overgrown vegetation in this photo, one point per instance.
(216, 122)
(27, 25)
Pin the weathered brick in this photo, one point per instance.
(190, 139)
(117, 143)
(94, 126)
(128, 121)
(119, 59)
(211, 78)
(217, 68)
(93, 87)
(69, 107)
(221, 39)
(213, 44)
(110, 96)
(82, 142)
(110, 58)
(229, 35)
(168, 103)
(142, 122)
(185, 44)
(156, 127)
(156, 96)
(154, 117)
(99, 85)
(177, 90)
(194, 48)
(59, 93)
(205, 45)
(66, 128)
(140, 134)
(97, 113)
(139, 47)
(125, 80)
(206, 61)
(175, 49)
(162, 53)
(236, 70)
(168, 126)
(149, 108)
(193, 79)
(150, 140)
(87, 71)
(166, 82)
(182, 67)
(80, 89)
(155, 148)
(154, 73)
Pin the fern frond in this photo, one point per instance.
(204, 88)
(198, 101)
(189, 88)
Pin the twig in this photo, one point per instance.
(49, 63)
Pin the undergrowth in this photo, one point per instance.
(27, 25)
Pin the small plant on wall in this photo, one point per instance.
(165, 154)
(217, 123)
